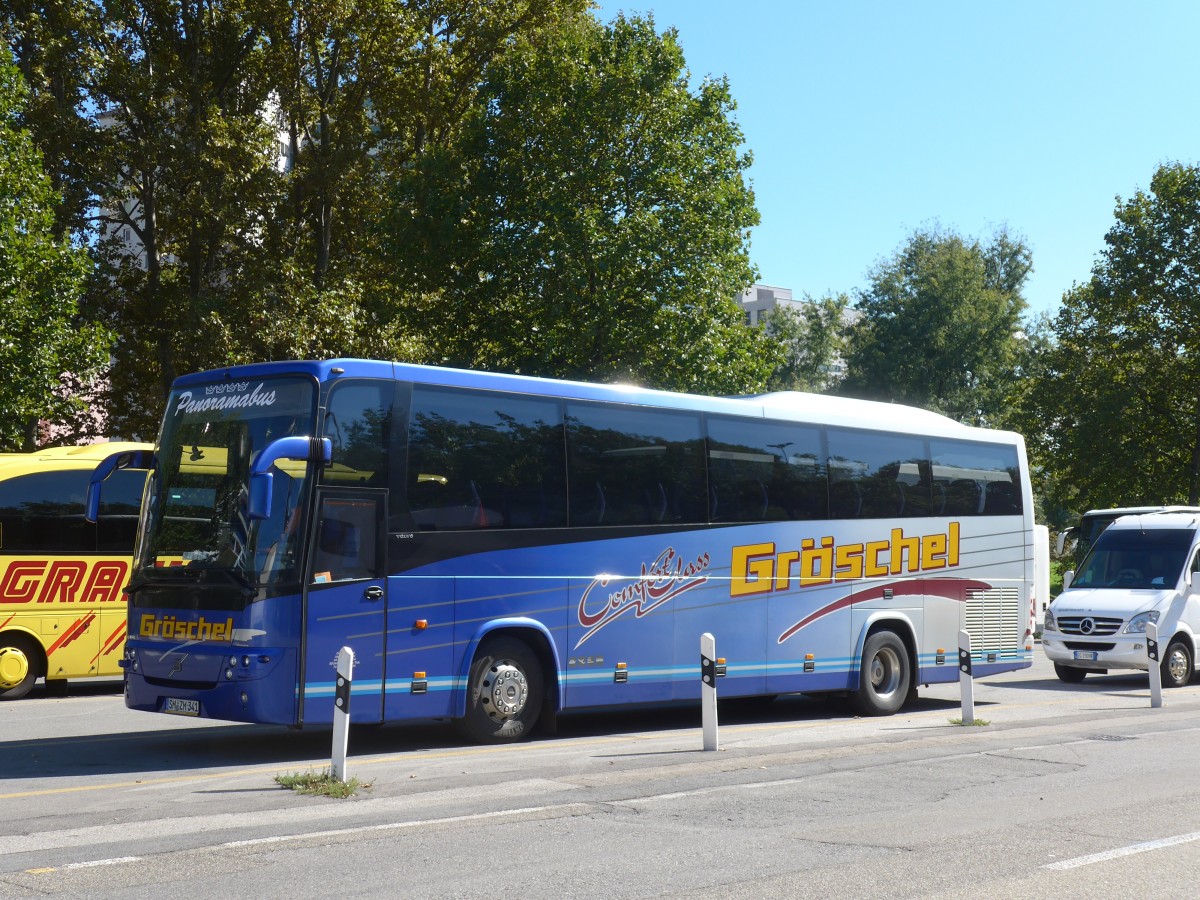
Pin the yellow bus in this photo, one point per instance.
(62, 606)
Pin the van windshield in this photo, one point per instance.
(1133, 558)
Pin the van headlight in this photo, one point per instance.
(1137, 625)
(1048, 624)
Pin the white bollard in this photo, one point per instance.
(1153, 655)
(341, 713)
(708, 689)
(965, 683)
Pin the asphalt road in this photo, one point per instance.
(1067, 790)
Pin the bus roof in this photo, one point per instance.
(1118, 511)
(795, 405)
(84, 456)
(1180, 517)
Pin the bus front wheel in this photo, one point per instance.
(504, 693)
(885, 677)
(18, 667)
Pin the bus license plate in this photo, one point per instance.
(1089, 655)
(181, 707)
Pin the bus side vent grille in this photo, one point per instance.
(993, 620)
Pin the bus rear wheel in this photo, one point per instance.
(19, 667)
(505, 693)
(885, 677)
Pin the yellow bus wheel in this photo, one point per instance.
(18, 668)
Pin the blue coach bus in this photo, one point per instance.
(497, 548)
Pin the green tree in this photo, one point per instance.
(45, 353)
(592, 221)
(941, 326)
(1118, 392)
(812, 338)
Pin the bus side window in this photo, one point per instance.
(359, 426)
(484, 459)
(765, 471)
(346, 546)
(632, 466)
(877, 476)
(43, 513)
(977, 479)
(120, 505)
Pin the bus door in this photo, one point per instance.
(345, 602)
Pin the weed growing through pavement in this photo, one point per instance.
(321, 784)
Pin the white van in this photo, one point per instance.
(1143, 568)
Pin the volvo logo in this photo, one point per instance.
(1087, 625)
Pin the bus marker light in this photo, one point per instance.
(419, 684)
(810, 662)
(720, 667)
(941, 656)
(621, 674)
(421, 624)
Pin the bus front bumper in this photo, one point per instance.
(230, 683)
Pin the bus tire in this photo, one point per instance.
(504, 693)
(1069, 674)
(1177, 664)
(20, 666)
(885, 675)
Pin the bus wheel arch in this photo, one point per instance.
(886, 670)
(21, 664)
(1178, 661)
(511, 675)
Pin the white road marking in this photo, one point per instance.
(1123, 851)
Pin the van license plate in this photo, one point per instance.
(1089, 655)
(181, 707)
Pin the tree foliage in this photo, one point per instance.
(592, 219)
(48, 358)
(508, 185)
(1117, 394)
(941, 326)
(812, 339)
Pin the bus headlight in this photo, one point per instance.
(1137, 625)
(1049, 624)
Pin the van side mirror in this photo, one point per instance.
(1060, 543)
(301, 449)
(1068, 577)
(128, 459)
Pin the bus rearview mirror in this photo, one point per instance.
(301, 449)
(128, 459)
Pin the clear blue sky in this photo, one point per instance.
(868, 120)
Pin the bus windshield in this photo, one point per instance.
(196, 527)
(1135, 558)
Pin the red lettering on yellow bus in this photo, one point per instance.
(20, 581)
(62, 581)
(105, 582)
